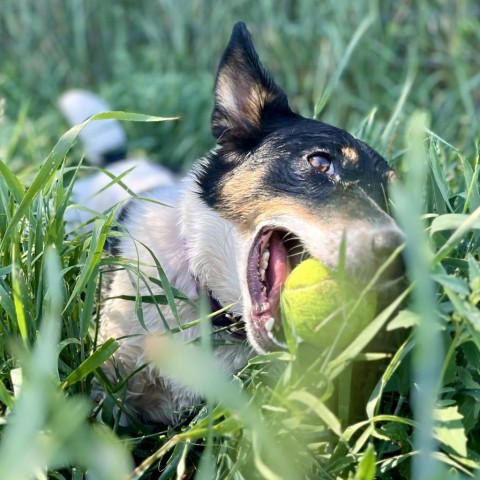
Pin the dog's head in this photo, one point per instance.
(287, 185)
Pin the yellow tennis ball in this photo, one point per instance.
(323, 312)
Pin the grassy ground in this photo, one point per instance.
(404, 76)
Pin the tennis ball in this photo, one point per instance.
(322, 311)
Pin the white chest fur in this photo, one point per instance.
(194, 245)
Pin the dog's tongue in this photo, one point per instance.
(277, 272)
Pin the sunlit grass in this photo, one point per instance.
(403, 409)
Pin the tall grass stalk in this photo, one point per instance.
(428, 352)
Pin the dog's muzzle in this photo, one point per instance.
(276, 251)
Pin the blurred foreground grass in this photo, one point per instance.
(365, 66)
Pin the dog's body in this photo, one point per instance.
(180, 231)
(275, 184)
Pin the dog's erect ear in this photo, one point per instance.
(245, 94)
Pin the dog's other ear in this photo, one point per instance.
(245, 94)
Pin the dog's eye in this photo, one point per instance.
(320, 161)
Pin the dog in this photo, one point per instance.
(276, 183)
(105, 143)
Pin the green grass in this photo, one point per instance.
(401, 75)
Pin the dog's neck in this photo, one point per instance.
(211, 250)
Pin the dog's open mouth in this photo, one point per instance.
(275, 252)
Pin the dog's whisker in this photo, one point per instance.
(295, 255)
(298, 250)
(289, 236)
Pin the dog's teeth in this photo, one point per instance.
(264, 259)
(262, 274)
(269, 324)
(280, 344)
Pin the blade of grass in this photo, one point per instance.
(19, 295)
(12, 182)
(338, 364)
(92, 263)
(469, 223)
(57, 155)
(428, 352)
(94, 361)
(407, 86)
(357, 36)
(189, 364)
(320, 409)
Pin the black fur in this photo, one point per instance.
(260, 131)
(112, 245)
(240, 69)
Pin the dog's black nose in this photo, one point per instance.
(384, 243)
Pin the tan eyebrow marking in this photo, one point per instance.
(350, 154)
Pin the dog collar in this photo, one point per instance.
(233, 324)
(225, 321)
